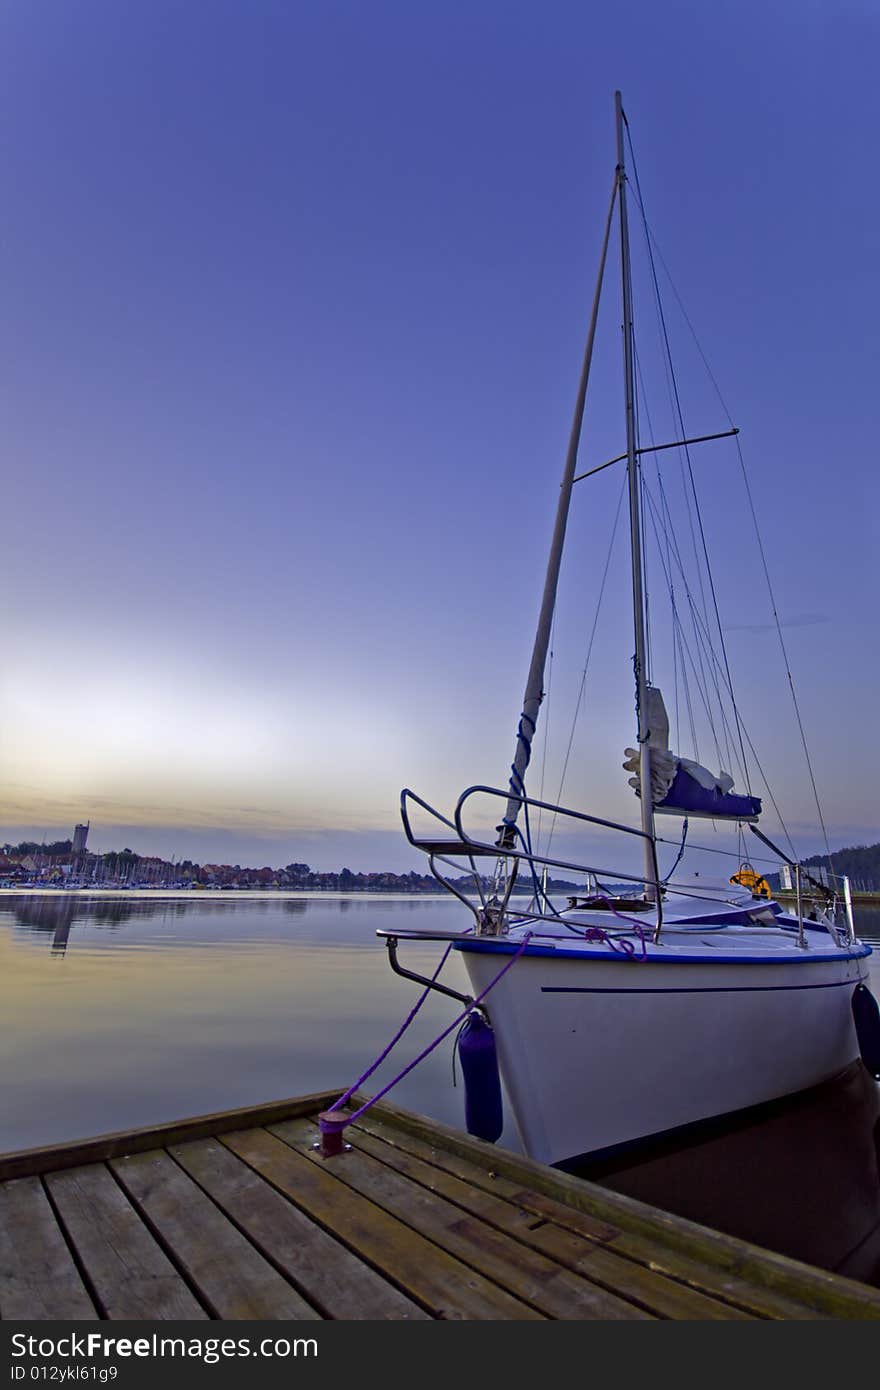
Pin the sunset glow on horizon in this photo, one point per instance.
(294, 308)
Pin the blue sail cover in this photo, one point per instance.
(680, 786)
(687, 797)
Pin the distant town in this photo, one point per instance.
(69, 864)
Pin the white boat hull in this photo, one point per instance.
(598, 1052)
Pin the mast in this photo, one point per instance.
(632, 469)
(534, 691)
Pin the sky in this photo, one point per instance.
(294, 302)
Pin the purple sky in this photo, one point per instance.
(294, 298)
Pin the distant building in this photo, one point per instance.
(80, 835)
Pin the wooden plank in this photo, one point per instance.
(332, 1278)
(826, 1294)
(442, 1285)
(52, 1157)
(523, 1271)
(658, 1294)
(652, 1254)
(38, 1276)
(484, 1175)
(126, 1268)
(232, 1278)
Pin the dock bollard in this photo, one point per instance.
(332, 1127)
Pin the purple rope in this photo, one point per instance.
(397, 1036)
(619, 944)
(332, 1126)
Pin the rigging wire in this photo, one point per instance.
(702, 639)
(727, 853)
(758, 764)
(686, 453)
(646, 591)
(700, 684)
(589, 654)
(677, 860)
(668, 530)
(653, 246)
(782, 647)
(668, 567)
(745, 733)
(689, 510)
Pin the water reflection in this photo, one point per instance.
(58, 912)
(55, 915)
(801, 1176)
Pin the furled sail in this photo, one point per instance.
(680, 786)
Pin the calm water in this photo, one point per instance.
(126, 1010)
(121, 1011)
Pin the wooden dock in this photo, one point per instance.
(237, 1216)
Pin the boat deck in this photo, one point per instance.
(712, 941)
(237, 1216)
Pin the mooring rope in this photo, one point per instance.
(335, 1126)
(621, 944)
(397, 1036)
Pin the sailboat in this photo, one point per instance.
(639, 1006)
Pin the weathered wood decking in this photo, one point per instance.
(237, 1216)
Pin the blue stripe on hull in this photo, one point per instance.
(800, 959)
(707, 989)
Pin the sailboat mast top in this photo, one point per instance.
(534, 691)
(634, 517)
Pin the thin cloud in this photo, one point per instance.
(799, 620)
